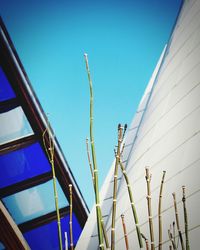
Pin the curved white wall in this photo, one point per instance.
(168, 139)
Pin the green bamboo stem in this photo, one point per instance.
(70, 218)
(96, 185)
(146, 241)
(132, 204)
(50, 153)
(185, 220)
(125, 232)
(115, 187)
(160, 211)
(148, 180)
(177, 222)
(92, 173)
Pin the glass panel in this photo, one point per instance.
(21, 164)
(14, 125)
(6, 91)
(34, 202)
(2, 246)
(46, 237)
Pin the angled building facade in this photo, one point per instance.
(164, 135)
(27, 207)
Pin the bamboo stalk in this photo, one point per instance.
(172, 240)
(185, 219)
(160, 211)
(66, 241)
(177, 222)
(146, 241)
(92, 173)
(125, 232)
(96, 184)
(174, 232)
(50, 154)
(115, 187)
(70, 217)
(148, 180)
(132, 204)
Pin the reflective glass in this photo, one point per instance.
(34, 202)
(2, 246)
(13, 125)
(6, 91)
(22, 164)
(46, 237)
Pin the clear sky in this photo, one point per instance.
(123, 39)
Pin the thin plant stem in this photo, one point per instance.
(92, 173)
(174, 231)
(125, 232)
(132, 204)
(160, 211)
(172, 239)
(185, 219)
(70, 217)
(95, 171)
(66, 241)
(177, 222)
(89, 160)
(146, 241)
(50, 154)
(120, 129)
(148, 180)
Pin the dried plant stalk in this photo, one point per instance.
(148, 180)
(146, 241)
(120, 128)
(92, 173)
(132, 204)
(172, 240)
(95, 171)
(177, 221)
(70, 217)
(50, 154)
(125, 232)
(160, 211)
(185, 219)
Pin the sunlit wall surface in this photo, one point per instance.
(165, 137)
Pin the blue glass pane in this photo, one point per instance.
(22, 164)
(6, 91)
(34, 202)
(2, 246)
(14, 125)
(46, 237)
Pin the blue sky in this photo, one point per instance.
(123, 40)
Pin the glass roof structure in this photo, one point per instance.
(26, 185)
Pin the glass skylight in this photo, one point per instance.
(22, 164)
(6, 91)
(2, 246)
(46, 236)
(14, 125)
(34, 202)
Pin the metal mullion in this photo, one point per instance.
(42, 220)
(23, 185)
(18, 144)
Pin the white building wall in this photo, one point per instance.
(168, 138)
